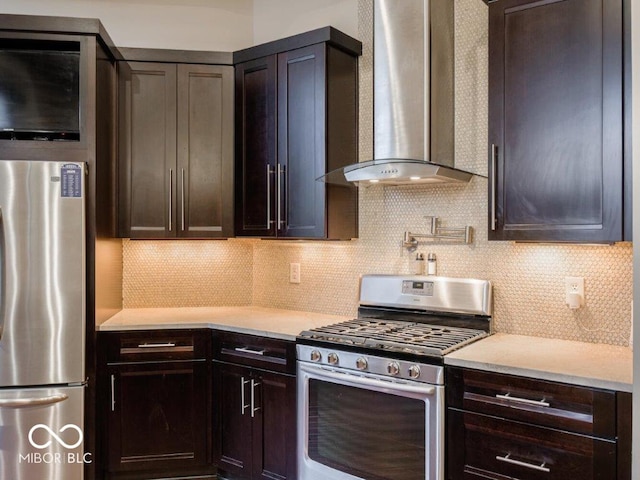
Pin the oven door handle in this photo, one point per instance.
(360, 380)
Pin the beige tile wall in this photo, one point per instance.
(528, 279)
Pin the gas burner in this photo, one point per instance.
(395, 336)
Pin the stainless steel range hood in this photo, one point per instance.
(413, 96)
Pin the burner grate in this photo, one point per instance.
(402, 336)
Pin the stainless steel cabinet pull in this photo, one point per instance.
(33, 402)
(254, 409)
(113, 393)
(170, 199)
(157, 345)
(507, 459)
(537, 403)
(3, 276)
(243, 407)
(182, 196)
(494, 164)
(249, 350)
(280, 195)
(283, 220)
(278, 199)
(269, 221)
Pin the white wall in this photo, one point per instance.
(222, 25)
(275, 19)
(219, 25)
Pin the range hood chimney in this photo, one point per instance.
(413, 90)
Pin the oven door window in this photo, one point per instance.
(368, 434)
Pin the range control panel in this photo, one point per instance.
(412, 287)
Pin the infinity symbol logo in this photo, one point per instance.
(54, 435)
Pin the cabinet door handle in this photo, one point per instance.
(269, 222)
(243, 407)
(254, 409)
(170, 199)
(283, 173)
(494, 170)
(278, 198)
(537, 403)
(182, 198)
(507, 459)
(113, 393)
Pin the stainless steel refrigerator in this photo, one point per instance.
(42, 320)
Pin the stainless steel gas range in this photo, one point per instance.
(371, 390)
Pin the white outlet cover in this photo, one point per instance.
(294, 273)
(574, 291)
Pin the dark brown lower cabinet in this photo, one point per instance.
(156, 404)
(254, 428)
(508, 427)
(482, 446)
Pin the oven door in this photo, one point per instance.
(364, 426)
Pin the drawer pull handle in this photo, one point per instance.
(537, 403)
(156, 345)
(249, 350)
(507, 459)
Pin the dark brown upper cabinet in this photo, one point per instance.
(176, 150)
(556, 125)
(296, 119)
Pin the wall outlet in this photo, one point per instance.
(574, 291)
(294, 273)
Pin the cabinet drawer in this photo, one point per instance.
(487, 447)
(255, 351)
(568, 407)
(155, 345)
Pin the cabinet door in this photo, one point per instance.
(233, 448)
(255, 93)
(301, 142)
(157, 417)
(555, 120)
(274, 427)
(205, 151)
(147, 143)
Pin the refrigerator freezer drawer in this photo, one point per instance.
(41, 434)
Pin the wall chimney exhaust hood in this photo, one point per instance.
(413, 97)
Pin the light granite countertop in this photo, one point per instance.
(267, 322)
(587, 364)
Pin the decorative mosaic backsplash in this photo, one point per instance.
(528, 279)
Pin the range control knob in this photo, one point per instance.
(316, 356)
(361, 363)
(393, 368)
(332, 358)
(414, 371)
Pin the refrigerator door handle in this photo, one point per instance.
(3, 277)
(33, 402)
